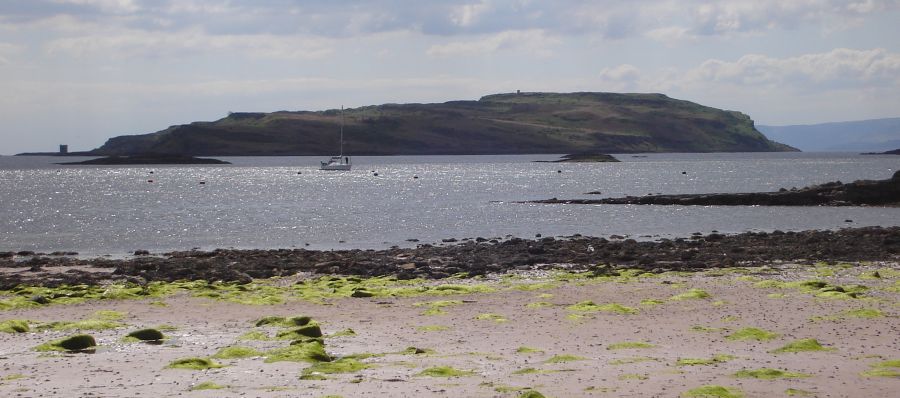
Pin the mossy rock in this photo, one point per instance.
(306, 340)
(78, 342)
(531, 394)
(14, 326)
(344, 365)
(147, 335)
(194, 364)
(281, 321)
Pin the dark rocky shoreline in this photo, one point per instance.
(475, 257)
(857, 193)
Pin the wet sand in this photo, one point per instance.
(488, 347)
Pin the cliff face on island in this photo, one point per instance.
(496, 124)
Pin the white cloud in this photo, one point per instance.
(7, 50)
(136, 43)
(467, 14)
(536, 42)
(111, 6)
(840, 67)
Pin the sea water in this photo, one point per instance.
(286, 202)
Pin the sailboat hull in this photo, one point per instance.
(332, 166)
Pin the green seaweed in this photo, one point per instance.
(207, 385)
(531, 394)
(691, 295)
(237, 352)
(87, 324)
(802, 345)
(444, 371)
(705, 329)
(794, 392)
(528, 350)
(719, 358)
(713, 391)
(491, 317)
(884, 369)
(629, 345)
(432, 328)
(436, 307)
(627, 361)
(78, 342)
(343, 333)
(254, 335)
(590, 306)
(565, 358)
(539, 304)
(768, 374)
(752, 334)
(633, 376)
(194, 364)
(416, 351)
(651, 302)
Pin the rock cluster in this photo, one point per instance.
(473, 256)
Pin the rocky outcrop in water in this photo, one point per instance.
(476, 257)
(857, 193)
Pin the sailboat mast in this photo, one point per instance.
(342, 131)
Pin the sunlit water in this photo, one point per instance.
(264, 203)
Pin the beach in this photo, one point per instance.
(784, 328)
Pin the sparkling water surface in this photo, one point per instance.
(285, 202)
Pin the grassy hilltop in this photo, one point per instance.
(495, 124)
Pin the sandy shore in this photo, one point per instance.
(484, 332)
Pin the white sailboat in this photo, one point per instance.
(339, 162)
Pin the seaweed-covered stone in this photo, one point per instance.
(78, 342)
(194, 364)
(531, 394)
(268, 320)
(147, 335)
(14, 326)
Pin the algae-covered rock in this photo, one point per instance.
(194, 364)
(531, 394)
(360, 293)
(78, 342)
(14, 326)
(147, 335)
(801, 346)
(311, 352)
(207, 385)
(691, 294)
(298, 333)
(281, 321)
(344, 365)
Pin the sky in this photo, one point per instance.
(78, 72)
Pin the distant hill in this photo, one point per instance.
(874, 135)
(495, 124)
